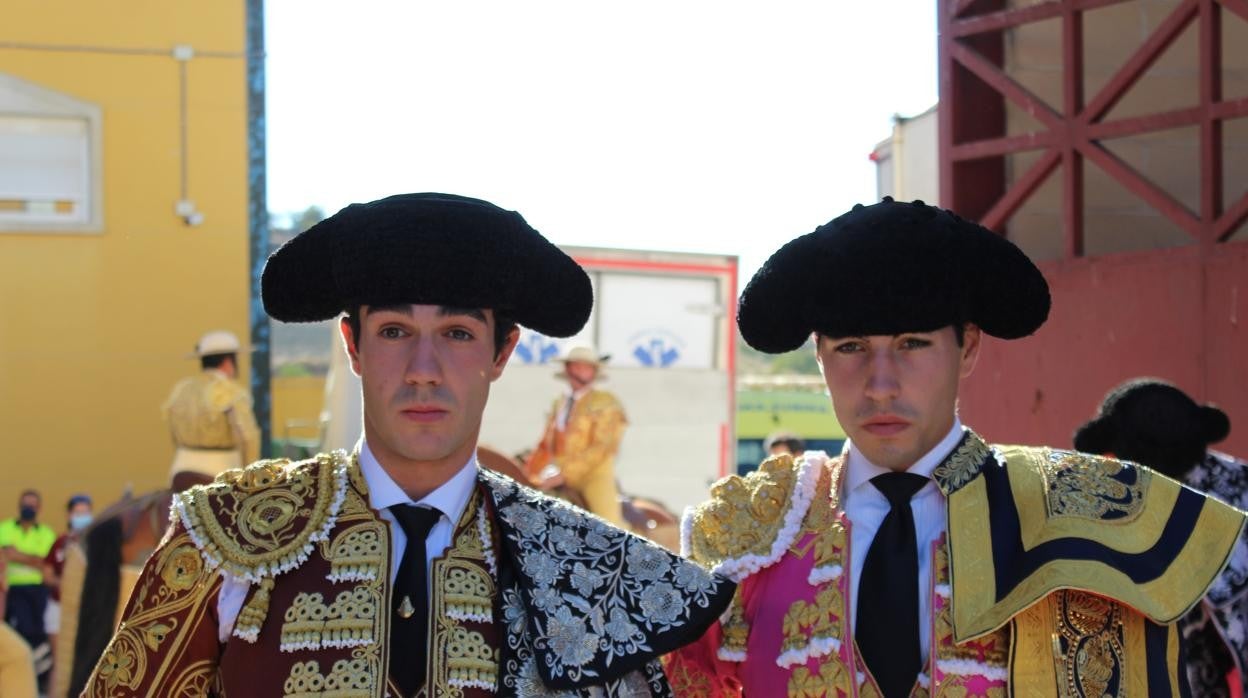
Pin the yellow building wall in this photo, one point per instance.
(95, 328)
(297, 405)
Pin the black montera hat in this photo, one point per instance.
(1152, 422)
(436, 249)
(892, 268)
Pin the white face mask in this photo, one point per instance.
(77, 522)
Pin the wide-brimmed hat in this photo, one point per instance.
(1152, 422)
(435, 249)
(215, 343)
(586, 355)
(887, 269)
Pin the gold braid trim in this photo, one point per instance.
(252, 616)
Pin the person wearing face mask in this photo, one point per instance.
(78, 510)
(24, 543)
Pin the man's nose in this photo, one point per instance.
(424, 364)
(882, 384)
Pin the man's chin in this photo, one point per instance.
(888, 453)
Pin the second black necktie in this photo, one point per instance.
(887, 630)
(409, 622)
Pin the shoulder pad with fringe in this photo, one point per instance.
(750, 521)
(260, 521)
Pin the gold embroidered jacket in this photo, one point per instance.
(585, 450)
(534, 598)
(209, 411)
(1079, 565)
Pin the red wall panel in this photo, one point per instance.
(1176, 314)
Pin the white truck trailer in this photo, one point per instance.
(668, 320)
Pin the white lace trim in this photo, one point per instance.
(944, 591)
(726, 655)
(924, 680)
(487, 543)
(352, 576)
(737, 569)
(323, 644)
(817, 647)
(970, 667)
(469, 615)
(826, 573)
(490, 686)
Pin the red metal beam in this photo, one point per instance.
(1008, 19)
(1072, 104)
(1145, 56)
(1231, 220)
(999, 81)
(1137, 184)
(959, 7)
(1017, 194)
(1021, 143)
(1239, 7)
(1210, 128)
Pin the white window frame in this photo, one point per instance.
(22, 99)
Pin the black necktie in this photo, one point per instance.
(409, 624)
(888, 593)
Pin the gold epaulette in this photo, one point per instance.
(260, 521)
(750, 521)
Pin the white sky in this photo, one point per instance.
(691, 125)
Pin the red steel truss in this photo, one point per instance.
(973, 138)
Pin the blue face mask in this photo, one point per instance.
(77, 522)
(27, 513)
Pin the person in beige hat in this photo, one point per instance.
(209, 414)
(581, 437)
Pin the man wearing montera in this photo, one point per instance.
(402, 568)
(923, 561)
(210, 414)
(1154, 423)
(581, 437)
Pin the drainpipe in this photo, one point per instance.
(258, 222)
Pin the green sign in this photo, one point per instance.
(807, 414)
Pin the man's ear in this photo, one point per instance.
(504, 353)
(972, 340)
(349, 344)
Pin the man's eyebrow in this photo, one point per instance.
(400, 308)
(477, 313)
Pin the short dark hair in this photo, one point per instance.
(215, 360)
(76, 500)
(503, 326)
(959, 334)
(791, 441)
(30, 493)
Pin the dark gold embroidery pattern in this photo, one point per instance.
(963, 465)
(464, 593)
(1090, 645)
(162, 611)
(1101, 489)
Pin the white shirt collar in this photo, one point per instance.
(451, 498)
(862, 470)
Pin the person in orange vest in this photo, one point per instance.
(582, 436)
